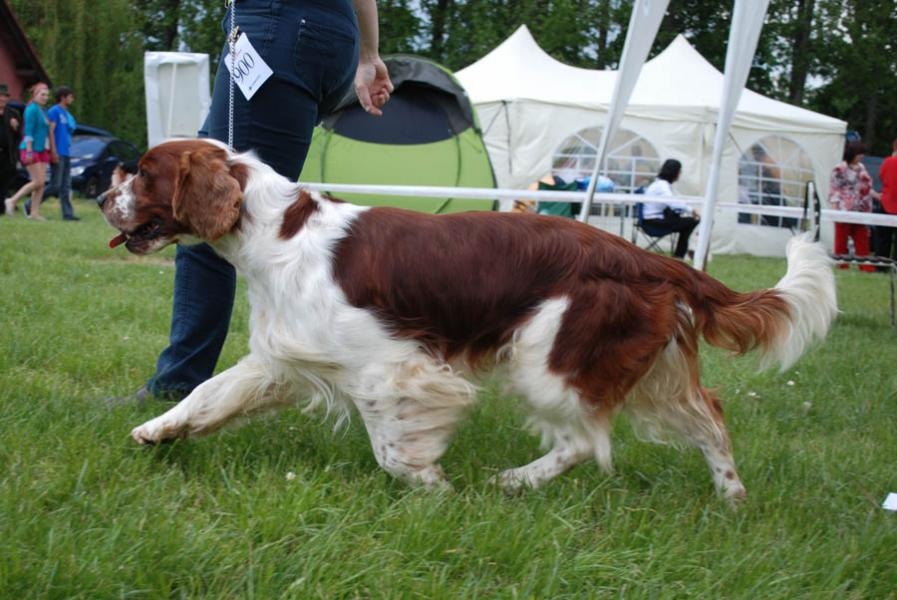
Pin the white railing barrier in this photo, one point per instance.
(772, 210)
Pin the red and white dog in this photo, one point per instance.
(392, 312)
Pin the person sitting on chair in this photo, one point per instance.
(670, 214)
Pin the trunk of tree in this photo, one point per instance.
(800, 55)
(439, 17)
(170, 32)
(871, 120)
(603, 28)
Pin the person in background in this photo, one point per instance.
(315, 50)
(850, 189)
(62, 127)
(10, 135)
(886, 240)
(35, 152)
(670, 214)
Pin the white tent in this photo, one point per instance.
(529, 104)
(177, 94)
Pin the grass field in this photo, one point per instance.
(85, 513)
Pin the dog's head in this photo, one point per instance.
(184, 188)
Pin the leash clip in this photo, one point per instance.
(234, 34)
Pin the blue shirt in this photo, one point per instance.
(36, 128)
(65, 127)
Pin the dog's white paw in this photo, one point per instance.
(143, 436)
(155, 432)
(510, 481)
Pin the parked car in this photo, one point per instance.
(94, 157)
(93, 160)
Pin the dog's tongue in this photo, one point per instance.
(117, 240)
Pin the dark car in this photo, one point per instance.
(93, 159)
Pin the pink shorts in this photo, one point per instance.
(36, 157)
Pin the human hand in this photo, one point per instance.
(54, 157)
(14, 123)
(29, 157)
(372, 85)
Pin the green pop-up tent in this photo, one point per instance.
(428, 135)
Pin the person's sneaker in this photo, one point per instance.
(71, 218)
(143, 396)
(9, 207)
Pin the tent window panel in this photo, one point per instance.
(774, 171)
(632, 161)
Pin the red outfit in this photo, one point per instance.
(886, 237)
(849, 190)
(888, 175)
(36, 157)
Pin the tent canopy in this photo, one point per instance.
(531, 105)
(518, 69)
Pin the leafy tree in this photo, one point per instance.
(159, 24)
(94, 48)
(834, 56)
(608, 33)
(857, 38)
(400, 27)
(461, 32)
(200, 29)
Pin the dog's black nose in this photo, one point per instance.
(101, 199)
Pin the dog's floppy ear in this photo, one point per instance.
(207, 197)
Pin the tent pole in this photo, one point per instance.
(747, 21)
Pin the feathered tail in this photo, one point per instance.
(781, 322)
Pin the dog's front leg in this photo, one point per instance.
(245, 388)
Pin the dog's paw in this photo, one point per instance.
(142, 436)
(736, 494)
(510, 481)
(154, 432)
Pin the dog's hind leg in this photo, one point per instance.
(410, 415)
(717, 449)
(245, 388)
(669, 399)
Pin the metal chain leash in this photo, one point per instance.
(232, 41)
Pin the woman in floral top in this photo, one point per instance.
(851, 189)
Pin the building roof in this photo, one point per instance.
(22, 66)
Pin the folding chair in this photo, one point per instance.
(653, 234)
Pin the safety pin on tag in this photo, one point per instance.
(247, 68)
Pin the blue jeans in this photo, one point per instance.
(312, 47)
(62, 181)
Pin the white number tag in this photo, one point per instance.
(247, 67)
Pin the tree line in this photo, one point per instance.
(837, 57)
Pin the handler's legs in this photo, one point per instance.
(277, 124)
